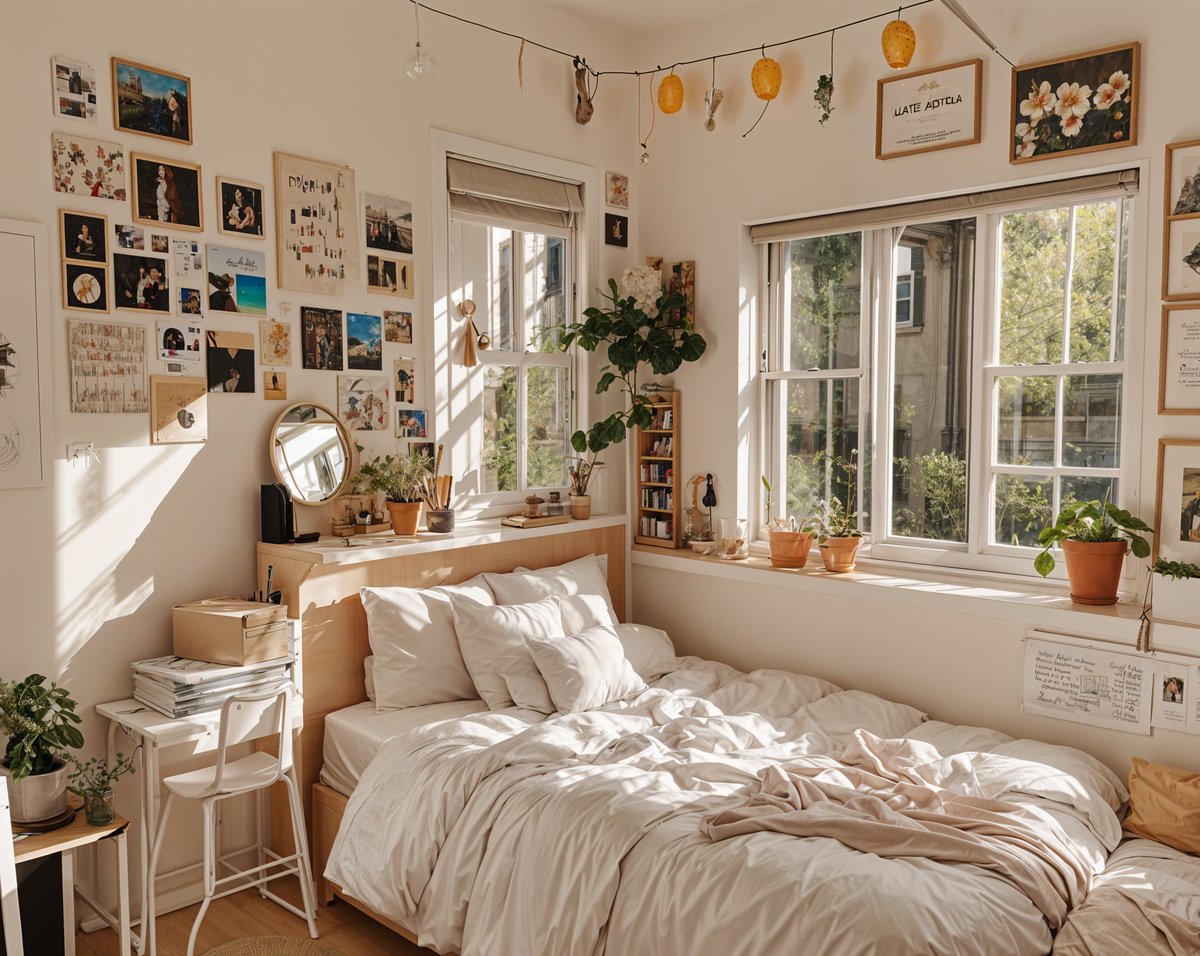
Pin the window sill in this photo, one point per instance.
(1045, 606)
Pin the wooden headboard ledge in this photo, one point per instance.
(320, 585)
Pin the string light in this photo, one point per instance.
(420, 66)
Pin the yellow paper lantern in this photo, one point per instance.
(766, 78)
(670, 94)
(899, 44)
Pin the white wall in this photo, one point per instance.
(91, 566)
(697, 194)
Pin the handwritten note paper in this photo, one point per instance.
(1086, 685)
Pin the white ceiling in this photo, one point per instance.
(640, 17)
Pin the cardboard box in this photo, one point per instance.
(229, 631)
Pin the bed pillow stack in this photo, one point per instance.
(586, 670)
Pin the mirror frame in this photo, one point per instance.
(345, 435)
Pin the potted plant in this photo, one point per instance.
(645, 325)
(838, 535)
(1095, 536)
(40, 721)
(790, 540)
(401, 478)
(580, 471)
(1176, 592)
(93, 780)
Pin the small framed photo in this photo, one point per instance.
(404, 380)
(178, 410)
(397, 327)
(616, 230)
(1181, 260)
(363, 402)
(1077, 104)
(159, 244)
(424, 448)
(239, 207)
(1177, 509)
(85, 287)
(616, 190)
(84, 236)
(390, 276)
(321, 338)
(230, 358)
(73, 85)
(141, 283)
(275, 342)
(166, 192)
(274, 385)
(364, 342)
(1179, 360)
(388, 224)
(411, 423)
(151, 101)
(928, 109)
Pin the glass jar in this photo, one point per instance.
(98, 806)
(733, 544)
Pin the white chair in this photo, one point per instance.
(241, 716)
(9, 906)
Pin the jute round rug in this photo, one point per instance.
(273, 946)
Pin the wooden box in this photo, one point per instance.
(229, 631)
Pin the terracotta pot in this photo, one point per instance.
(406, 515)
(839, 553)
(789, 549)
(1094, 569)
(581, 506)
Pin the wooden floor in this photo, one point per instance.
(247, 914)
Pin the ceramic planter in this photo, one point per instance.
(789, 549)
(581, 507)
(1176, 600)
(37, 797)
(406, 515)
(839, 553)
(1094, 569)
(440, 522)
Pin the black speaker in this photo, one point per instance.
(277, 517)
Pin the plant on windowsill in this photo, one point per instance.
(1176, 592)
(580, 470)
(401, 479)
(1095, 536)
(838, 536)
(40, 721)
(790, 540)
(93, 780)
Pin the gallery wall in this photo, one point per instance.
(700, 190)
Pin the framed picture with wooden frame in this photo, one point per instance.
(166, 193)
(1076, 104)
(151, 101)
(84, 236)
(239, 207)
(1179, 360)
(927, 110)
(178, 410)
(1181, 222)
(1178, 501)
(316, 225)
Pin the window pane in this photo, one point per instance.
(544, 290)
(499, 428)
(1024, 505)
(821, 443)
(548, 418)
(1092, 421)
(932, 374)
(822, 303)
(1025, 431)
(1033, 264)
(1088, 488)
(482, 266)
(1097, 286)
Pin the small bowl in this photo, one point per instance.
(702, 547)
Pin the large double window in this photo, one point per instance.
(954, 378)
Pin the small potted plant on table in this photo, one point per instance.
(401, 478)
(838, 536)
(93, 780)
(40, 721)
(580, 472)
(1095, 536)
(1176, 592)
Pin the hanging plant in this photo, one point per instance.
(823, 95)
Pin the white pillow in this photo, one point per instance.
(649, 650)
(492, 640)
(582, 576)
(586, 670)
(417, 659)
(369, 675)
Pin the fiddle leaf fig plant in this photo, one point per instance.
(1091, 521)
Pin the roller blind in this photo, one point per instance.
(511, 194)
(944, 207)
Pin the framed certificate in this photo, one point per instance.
(929, 109)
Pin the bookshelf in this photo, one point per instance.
(656, 475)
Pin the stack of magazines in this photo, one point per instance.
(179, 687)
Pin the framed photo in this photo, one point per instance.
(928, 110)
(140, 283)
(364, 342)
(88, 167)
(316, 225)
(411, 423)
(397, 327)
(85, 287)
(231, 362)
(363, 402)
(321, 338)
(166, 193)
(616, 190)
(239, 207)
(108, 367)
(274, 385)
(388, 224)
(1177, 509)
(275, 343)
(1077, 104)
(237, 280)
(151, 101)
(179, 340)
(178, 410)
(84, 236)
(421, 448)
(1179, 360)
(390, 276)
(404, 380)
(1181, 260)
(616, 230)
(159, 245)
(73, 84)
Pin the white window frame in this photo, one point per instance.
(877, 376)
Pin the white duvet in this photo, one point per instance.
(510, 834)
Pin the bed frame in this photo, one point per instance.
(322, 589)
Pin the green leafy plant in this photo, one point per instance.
(97, 773)
(1178, 570)
(1091, 521)
(767, 506)
(41, 724)
(399, 477)
(835, 521)
(823, 96)
(643, 326)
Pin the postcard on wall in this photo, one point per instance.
(231, 362)
(928, 109)
(179, 340)
(274, 385)
(364, 345)
(187, 260)
(275, 343)
(321, 338)
(74, 88)
(108, 367)
(178, 410)
(410, 423)
(1179, 364)
(130, 238)
(390, 276)
(1171, 691)
(88, 167)
(397, 327)
(363, 402)
(404, 380)
(388, 223)
(237, 280)
(167, 193)
(316, 225)
(240, 204)
(151, 101)
(616, 190)
(141, 283)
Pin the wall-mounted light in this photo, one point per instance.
(899, 42)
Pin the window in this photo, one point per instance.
(960, 412)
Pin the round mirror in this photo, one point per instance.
(310, 452)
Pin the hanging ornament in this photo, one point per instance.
(586, 89)
(644, 143)
(766, 77)
(712, 99)
(670, 93)
(823, 94)
(466, 308)
(420, 66)
(899, 43)
(521, 66)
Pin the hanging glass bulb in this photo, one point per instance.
(420, 66)
(645, 160)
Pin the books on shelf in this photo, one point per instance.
(651, 527)
(180, 687)
(659, 472)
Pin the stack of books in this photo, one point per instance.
(181, 687)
